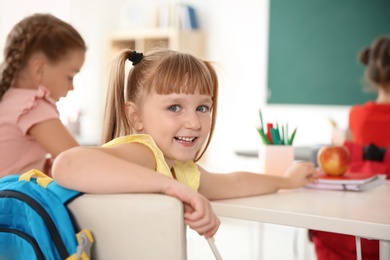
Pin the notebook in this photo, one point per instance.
(348, 181)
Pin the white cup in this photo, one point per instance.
(275, 159)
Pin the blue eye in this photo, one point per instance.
(203, 109)
(174, 108)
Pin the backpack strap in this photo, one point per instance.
(63, 194)
(84, 241)
(42, 179)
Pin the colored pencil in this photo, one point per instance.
(290, 141)
(261, 119)
(268, 134)
(263, 136)
(332, 122)
(275, 137)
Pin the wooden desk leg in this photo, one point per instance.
(384, 250)
(358, 248)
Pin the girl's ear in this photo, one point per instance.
(36, 68)
(133, 116)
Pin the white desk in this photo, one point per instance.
(364, 214)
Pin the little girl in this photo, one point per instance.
(41, 57)
(369, 124)
(160, 123)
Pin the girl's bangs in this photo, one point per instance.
(183, 74)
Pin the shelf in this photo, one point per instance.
(147, 39)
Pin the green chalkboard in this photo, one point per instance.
(313, 49)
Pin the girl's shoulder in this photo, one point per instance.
(370, 106)
(135, 138)
(17, 102)
(367, 104)
(23, 94)
(144, 139)
(27, 98)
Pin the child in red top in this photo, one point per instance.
(369, 125)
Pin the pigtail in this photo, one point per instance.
(115, 119)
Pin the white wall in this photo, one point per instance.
(237, 36)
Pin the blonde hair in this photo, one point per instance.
(164, 71)
(43, 33)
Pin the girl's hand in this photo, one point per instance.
(198, 214)
(301, 174)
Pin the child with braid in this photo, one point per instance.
(41, 57)
(158, 125)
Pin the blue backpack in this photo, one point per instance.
(35, 222)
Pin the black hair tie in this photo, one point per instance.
(136, 57)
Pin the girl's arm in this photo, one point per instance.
(109, 170)
(129, 168)
(216, 186)
(53, 136)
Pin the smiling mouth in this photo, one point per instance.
(185, 139)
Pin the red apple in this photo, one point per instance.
(333, 160)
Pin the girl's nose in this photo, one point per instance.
(192, 121)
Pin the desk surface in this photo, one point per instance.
(364, 214)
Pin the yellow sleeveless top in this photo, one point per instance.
(186, 172)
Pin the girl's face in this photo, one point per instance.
(178, 123)
(58, 77)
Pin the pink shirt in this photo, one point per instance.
(20, 109)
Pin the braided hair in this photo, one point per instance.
(43, 33)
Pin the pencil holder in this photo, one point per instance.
(275, 159)
(339, 136)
